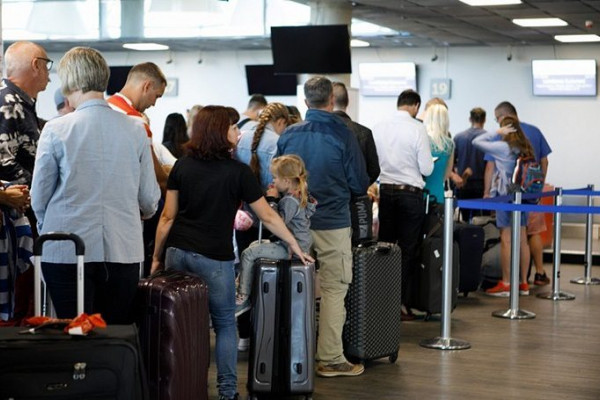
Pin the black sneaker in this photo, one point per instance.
(541, 279)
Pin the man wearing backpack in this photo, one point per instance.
(535, 223)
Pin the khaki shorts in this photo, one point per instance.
(536, 223)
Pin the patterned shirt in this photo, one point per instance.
(19, 134)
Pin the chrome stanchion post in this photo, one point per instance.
(589, 223)
(445, 342)
(556, 294)
(515, 252)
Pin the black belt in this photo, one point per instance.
(401, 188)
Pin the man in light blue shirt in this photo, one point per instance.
(93, 177)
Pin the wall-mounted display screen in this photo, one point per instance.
(312, 49)
(564, 77)
(262, 79)
(387, 79)
(117, 79)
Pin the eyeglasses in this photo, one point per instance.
(49, 62)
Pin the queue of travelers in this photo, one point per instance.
(106, 181)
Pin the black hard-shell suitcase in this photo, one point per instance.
(282, 340)
(105, 364)
(361, 219)
(470, 240)
(174, 335)
(373, 303)
(427, 281)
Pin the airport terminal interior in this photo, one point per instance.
(467, 53)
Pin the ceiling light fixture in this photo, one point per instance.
(485, 3)
(577, 38)
(537, 22)
(145, 46)
(359, 43)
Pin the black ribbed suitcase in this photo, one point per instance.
(427, 280)
(373, 303)
(174, 335)
(283, 339)
(470, 240)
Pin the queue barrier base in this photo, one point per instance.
(585, 281)
(556, 296)
(513, 314)
(441, 343)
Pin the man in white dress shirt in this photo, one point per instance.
(404, 157)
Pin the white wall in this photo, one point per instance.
(481, 76)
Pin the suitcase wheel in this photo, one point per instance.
(393, 358)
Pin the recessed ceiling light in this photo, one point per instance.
(145, 46)
(490, 2)
(533, 22)
(359, 43)
(577, 38)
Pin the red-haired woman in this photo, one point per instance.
(204, 190)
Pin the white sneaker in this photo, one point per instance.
(243, 344)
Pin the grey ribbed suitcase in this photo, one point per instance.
(282, 339)
(373, 302)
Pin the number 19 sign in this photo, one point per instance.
(440, 88)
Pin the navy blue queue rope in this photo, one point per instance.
(504, 203)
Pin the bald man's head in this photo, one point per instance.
(19, 55)
(27, 66)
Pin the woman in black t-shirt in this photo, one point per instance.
(204, 191)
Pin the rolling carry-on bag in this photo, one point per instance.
(50, 364)
(174, 335)
(427, 280)
(282, 340)
(470, 240)
(373, 303)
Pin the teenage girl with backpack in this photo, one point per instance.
(512, 144)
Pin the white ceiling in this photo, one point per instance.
(421, 23)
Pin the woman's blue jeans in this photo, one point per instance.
(220, 278)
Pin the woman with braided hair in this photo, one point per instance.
(257, 146)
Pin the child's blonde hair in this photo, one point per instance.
(292, 167)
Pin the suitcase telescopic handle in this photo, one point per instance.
(54, 236)
(37, 267)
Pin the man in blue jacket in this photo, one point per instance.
(336, 171)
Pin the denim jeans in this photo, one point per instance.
(109, 289)
(220, 278)
(273, 251)
(401, 216)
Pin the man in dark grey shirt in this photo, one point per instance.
(362, 133)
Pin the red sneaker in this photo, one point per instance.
(500, 290)
(524, 289)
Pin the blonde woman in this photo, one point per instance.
(442, 149)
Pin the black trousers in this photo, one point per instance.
(109, 289)
(401, 215)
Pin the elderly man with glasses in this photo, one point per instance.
(27, 74)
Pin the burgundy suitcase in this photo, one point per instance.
(174, 335)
